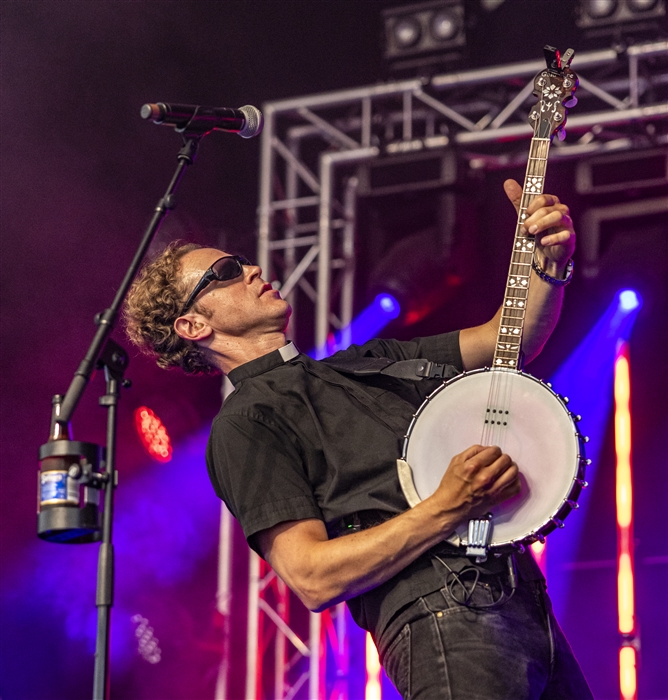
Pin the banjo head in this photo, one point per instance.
(528, 421)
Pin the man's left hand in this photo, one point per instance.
(549, 221)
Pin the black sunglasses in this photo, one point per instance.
(227, 268)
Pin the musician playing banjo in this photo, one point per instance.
(304, 453)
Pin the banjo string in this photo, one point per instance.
(498, 402)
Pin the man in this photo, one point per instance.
(303, 452)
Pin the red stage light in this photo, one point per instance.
(153, 434)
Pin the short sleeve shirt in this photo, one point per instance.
(298, 439)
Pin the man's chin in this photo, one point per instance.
(288, 314)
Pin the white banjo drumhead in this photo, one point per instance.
(525, 419)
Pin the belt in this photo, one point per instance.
(362, 520)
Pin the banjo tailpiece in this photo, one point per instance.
(480, 533)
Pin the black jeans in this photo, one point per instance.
(439, 649)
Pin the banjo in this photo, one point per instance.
(503, 405)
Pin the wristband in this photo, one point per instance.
(553, 280)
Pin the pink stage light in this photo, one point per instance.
(372, 690)
(623, 441)
(628, 685)
(624, 496)
(153, 434)
(539, 550)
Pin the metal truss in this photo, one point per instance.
(270, 631)
(309, 145)
(314, 153)
(296, 661)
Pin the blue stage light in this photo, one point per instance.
(388, 304)
(586, 377)
(383, 309)
(629, 300)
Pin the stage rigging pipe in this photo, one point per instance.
(326, 99)
(266, 173)
(253, 629)
(516, 70)
(575, 123)
(328, 161)
(348, 287)
(293, 172)
(224, 594)
(315, 623)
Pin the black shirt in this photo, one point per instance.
(299, 440)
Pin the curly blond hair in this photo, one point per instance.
(154, 303)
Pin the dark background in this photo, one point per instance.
(81, 173)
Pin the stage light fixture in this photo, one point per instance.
(424, 33)
(407, 32)
(642, 5)
(599, 9)
(445, 25)
(615, 15)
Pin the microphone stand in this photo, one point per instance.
(104, 352)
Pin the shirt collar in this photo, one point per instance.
(263, 364)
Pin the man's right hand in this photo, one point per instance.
(475, 480)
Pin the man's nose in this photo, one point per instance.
(251, 272)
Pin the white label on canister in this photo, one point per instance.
(56, 489)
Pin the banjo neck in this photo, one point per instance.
(554, 88)
(508, 349)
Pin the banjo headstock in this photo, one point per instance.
(554, 88)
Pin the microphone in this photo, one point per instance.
(246, 121)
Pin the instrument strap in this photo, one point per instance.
(415, 370)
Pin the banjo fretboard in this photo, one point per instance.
(554, 88)
(509, 339)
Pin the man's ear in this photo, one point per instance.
(192, 328)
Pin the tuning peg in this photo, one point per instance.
(571, 102)
(561, 134)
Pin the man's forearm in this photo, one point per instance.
(549, 222)
(477, 344)
(543, 309)
(334, 570)
(323, 572)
